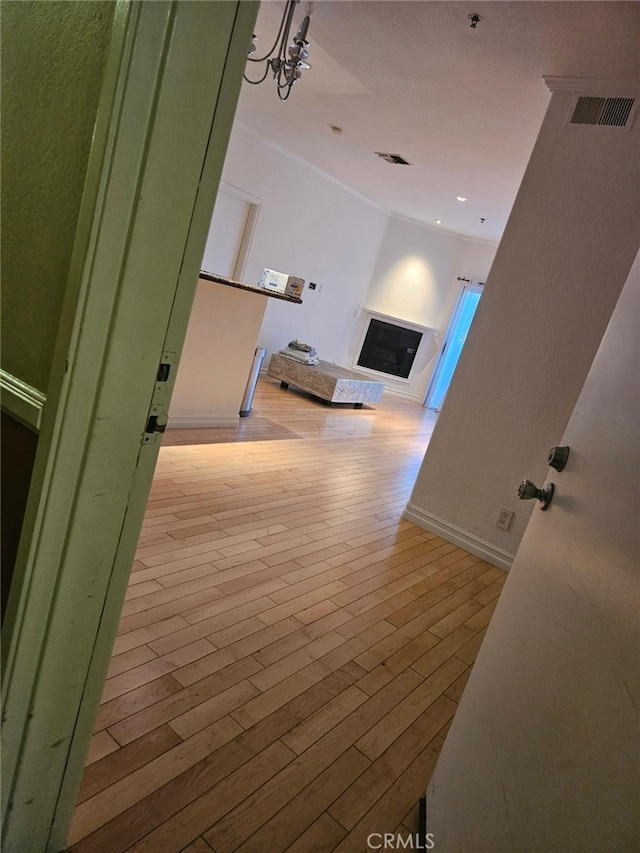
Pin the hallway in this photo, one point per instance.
(291, 650)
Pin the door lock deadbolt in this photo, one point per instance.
(528, 491)
(558, 457)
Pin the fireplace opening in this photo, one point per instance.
(389, 349)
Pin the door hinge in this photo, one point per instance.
(158, 412)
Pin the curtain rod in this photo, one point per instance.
(460, 278)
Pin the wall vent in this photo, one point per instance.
(604, 112)
(393, 158)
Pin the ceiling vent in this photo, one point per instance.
(604, 112)
(393, 158)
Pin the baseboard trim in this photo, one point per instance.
(198, 422)
(404, 394)
(22, 401)
(479, 547)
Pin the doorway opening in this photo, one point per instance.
(232, 227)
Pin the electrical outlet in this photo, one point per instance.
(504, 518)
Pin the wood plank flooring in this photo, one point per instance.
(291, 651)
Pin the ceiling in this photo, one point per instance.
(462, 105)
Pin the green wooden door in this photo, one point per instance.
(166, 112)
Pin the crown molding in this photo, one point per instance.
(591, 86)
(307, 165)
(399, 216)
(438, 229)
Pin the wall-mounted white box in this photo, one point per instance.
(273, 280)
(281, 282)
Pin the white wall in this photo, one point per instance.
(359, 257)
(415, 273)
(543, 751)
(223, 327)
(477, 258)
(217, 357)
(310, 227)
(415, 280)
(567, 249)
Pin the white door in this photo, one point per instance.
(543, 754)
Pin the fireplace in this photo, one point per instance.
(389, 348)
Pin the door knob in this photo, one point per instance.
(528, 491)
(558, 457)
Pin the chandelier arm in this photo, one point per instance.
(286, 71)
(282, 82)
(287, 12)
(262, 79)
(282, 53)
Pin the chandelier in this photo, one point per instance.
(287, 64)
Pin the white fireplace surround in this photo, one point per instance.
(426, 350)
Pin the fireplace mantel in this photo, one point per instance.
(397, 321)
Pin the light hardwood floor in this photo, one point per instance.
(291, 650)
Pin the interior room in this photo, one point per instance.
(331, 610)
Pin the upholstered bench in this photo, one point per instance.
(329, 382)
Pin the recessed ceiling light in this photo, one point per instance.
(438, 221)
(461, 198)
